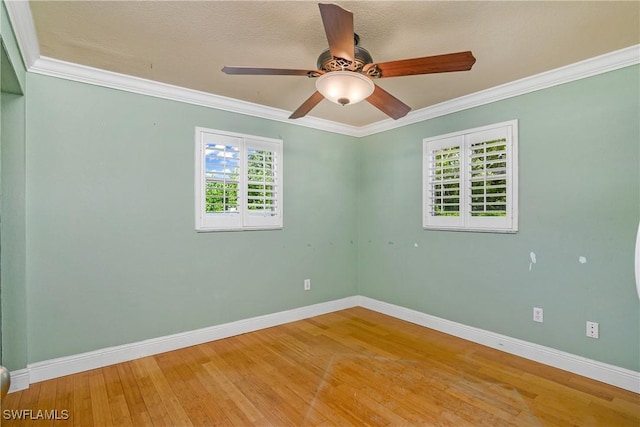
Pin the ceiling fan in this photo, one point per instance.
(345, 70)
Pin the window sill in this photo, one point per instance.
(473, 230)
(215, 230)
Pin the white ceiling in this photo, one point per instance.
(186, 43)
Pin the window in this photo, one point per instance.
(470, 180)
(238, 181)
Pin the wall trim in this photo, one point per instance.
(590, 67)
(19, 380)
(95, 76)
(22, 22)
(587, 68)
(606, 373)
(67, 365)
(54, 368)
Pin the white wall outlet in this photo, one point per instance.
(593, 330)
(307, 284)
(538, 314)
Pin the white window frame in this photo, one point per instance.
(465, 221)
(243, 219)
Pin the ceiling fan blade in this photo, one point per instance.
(307, 105)
(338, 25)
(271, 71)
(388, 104)
(461, 61)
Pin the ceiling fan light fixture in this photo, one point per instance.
(345, 69)
(345, 87)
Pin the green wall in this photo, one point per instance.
(579, 196)
(104, 250)
(12, 202)
(110, 222)
(112, 252)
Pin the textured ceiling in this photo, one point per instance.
(186, 43)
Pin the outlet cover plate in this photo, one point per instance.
(593, 330)
(538, 314)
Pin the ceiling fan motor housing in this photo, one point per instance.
(347, 78)
(328, 63)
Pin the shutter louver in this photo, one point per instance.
(263, 183)
(488, 178)
(470, 179)
(262, 190)
(238, 181)
(444, 172)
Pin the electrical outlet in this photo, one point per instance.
(593, 330)
(307, 284)
(538, 314)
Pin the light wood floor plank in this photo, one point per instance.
(152, 399)
(117, 401)
(81, 413)
(99, 398)
(135, 401)
(64, 399)
(352, 367)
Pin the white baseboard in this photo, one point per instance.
(59, 367)
(54, 368)
(19, 380)
(610, 374)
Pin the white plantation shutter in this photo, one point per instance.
(490, 179)
(444, 185)
(263, 184)
(470, 179)
(238, 181)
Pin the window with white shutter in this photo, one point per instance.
(263, 189)
(238, 181)
(470, 180)
(444, 166)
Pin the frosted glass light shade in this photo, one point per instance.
(344, 87)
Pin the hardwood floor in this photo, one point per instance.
(353, 367)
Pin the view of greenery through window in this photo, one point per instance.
(260, 180)
(223, 179)
(488, 178)
(446, 182)
(488, 181)
(222, 165)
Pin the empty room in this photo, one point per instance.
(299, 213)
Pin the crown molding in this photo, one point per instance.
(94, 76)
(587, 68)
(22, 22)
(590, 67)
